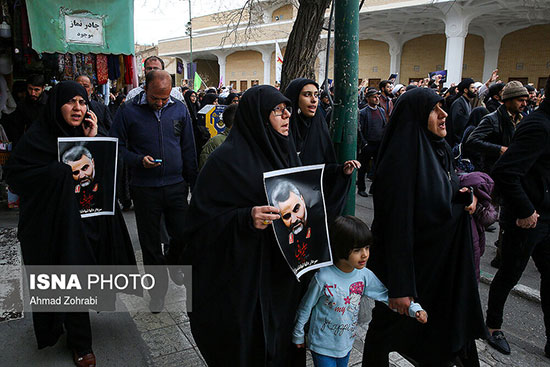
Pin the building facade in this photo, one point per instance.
(468, 38)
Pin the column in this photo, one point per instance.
(395, 59)
(456, 29)
(266, 58)
(221, 62)
(322, 65)
(491, 41)
(185, 71)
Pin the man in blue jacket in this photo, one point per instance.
(156, 142)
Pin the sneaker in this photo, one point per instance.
(363, 193)
(498, 341)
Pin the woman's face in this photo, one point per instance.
(308, 100)
(436, 121)
(193, 98)
(279, 119)
(235, 100)
(74, 111)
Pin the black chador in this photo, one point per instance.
(423, 244)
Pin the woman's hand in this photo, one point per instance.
(350, 166)
(262, 216)
(472, 207)
(89, 124)
(400, 304)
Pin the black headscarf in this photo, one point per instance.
(230, 98)
(423, 244)
(260, 292)
(209, 98)
(476, 115)
(62, 93)
(310, 134)
(192, 107)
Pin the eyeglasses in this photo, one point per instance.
(279, 111)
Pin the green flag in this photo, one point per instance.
(198, 82)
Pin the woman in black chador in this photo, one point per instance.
(51, 230)
(423, 245)
(244, 294)
(307, 124)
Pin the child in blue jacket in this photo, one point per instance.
(333, 296)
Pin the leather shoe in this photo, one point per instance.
(547, 349)
(87, 360)
(363, 194)
(498, 341)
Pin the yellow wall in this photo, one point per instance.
(427, 52)
(374, 60)
(529, 46)
(474, 56)
(244, 65)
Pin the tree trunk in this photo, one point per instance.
(300, 54)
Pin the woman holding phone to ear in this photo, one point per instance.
(423, 244)
(51, 230)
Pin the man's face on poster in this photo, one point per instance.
(83, 170)
(294, 212)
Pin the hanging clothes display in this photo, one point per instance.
(114, 67)
(102, 69)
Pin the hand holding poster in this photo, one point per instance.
(302, 231)
(93, 162)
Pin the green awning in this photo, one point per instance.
(85, 26)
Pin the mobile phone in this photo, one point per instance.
(157, 160)
(87, 124)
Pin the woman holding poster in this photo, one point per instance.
(51, 230)
(244, 293)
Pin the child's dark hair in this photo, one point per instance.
(348, 233)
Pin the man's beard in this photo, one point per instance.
(471, 94)
(297, 227)
(85, 182)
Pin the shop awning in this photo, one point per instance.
(85, 26)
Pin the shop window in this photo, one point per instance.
(373, 83)
(542, 83)
(233, 84)
(360, 81)
(254, 82)
(244, 85)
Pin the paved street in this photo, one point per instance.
(144, 339)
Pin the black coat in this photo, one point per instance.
(522, 174)
(423, 244)
(457, 120)
(494, 131)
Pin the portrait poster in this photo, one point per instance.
(93, 162)
(302, 230)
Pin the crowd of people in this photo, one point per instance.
(433, 155)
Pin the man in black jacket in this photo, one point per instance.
(460, 111)
(372, 121)
(494, 133)
(104, 118)
(522, 176)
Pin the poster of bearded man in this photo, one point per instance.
(302, 230)
(93, 162)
